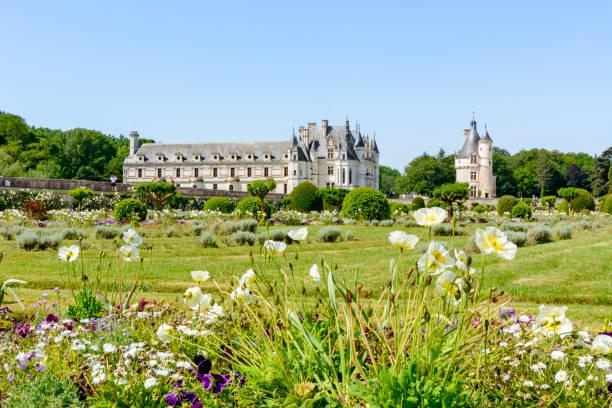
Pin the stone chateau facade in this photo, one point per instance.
(474, 163)
(327, 156)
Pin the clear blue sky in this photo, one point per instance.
(539, 73)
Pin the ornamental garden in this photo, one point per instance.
(329, 298)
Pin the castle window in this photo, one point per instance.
(294, 172)
(330, 154)
(232, 172)
(215, 172)
(249, 172)
(330, 170)
(473, 191)
(286, 156)
(285, 188)
(343, 176)
(286, 171)
(343, 157)
(178, 173)
(265, 172)
(473, 175)
(159, 173)
(231, 187)
(139, 173)
(350, 176)
(214, 186)
(196, 172)
(294, 157)
(473, 159)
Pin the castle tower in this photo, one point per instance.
(133, 142)
(474, 163)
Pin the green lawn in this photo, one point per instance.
(576, 272)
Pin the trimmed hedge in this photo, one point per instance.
(220, 204)
(304, 198)
(521, 210)
(583, 201)
(417, 203)
(506, 204)
(549, 201)
(365, 203)
(130, 209)
(563, 206)
(252, 205)
(398, 209)
(434, 202)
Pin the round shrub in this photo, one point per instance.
(583, 201)
(608, 204)
(304, 198)
(365, 203)
(563, 206)
(178, 202)
(398, 209)
(130, 209)
(434, 202)
(417, 203)
(251, 206)
(244, 238)
(539, 234)
(220, 204)
(521, 210)
(479, 208)
(549, 201)
(506, 204)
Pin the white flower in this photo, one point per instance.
(436, 259)
(609, 378)
(150, 382)
(428, 217)
(314, 274)
(544, 386)
(165, 333)
(196, 300)
(69, 254)
(214, 313)
(584, 360)
(514, 363)
(493, 241)
(248, 278)
(461, 261)
(528, 383)
(602, 363)
(602, 344)
(129, 252)
(131, 237)
(242, 295)
(401, 240)
(448, 285)
(274, 247)
(200, 276)
(538, 367)
(299, 234)
(557, 355)
(109, 348)
(560, 376)
(552, 320)
(98, 378)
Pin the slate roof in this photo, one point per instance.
(485, 135)
(471, 144)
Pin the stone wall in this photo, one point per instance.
(101, 186)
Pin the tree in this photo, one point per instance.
(543, 170)
(80, 194)
(157, 192)
(333, 196)
(387, 179)
(569, 193)
(425, 173)
(260, 189)
(575, 176)
(504, 179)
(526, 183)
(451, 193)
(600, 184)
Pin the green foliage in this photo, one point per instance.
(549, 201)
(332, 197)
(569, 193)
(434, 202)
(563, 206)
(74, 233)
(426, 172)
(539, 234)
(3, 204)
(479, 209)
(251, 207)
(207, 240)
(446, 230)
(103, 232)
(80, 194)
(178, 202)
(506, 204)
(387, 179)
(221, 204)
(515, 226)
(329, 234)
(304, 198)
(243, 238)
(130, 209)
(86, 305)
(521, 210)
(39, 239)
(260, 189)
(563, 232)
(519, 238)
(157, 192)
(582, 200)
(398, 209)
(365, 203)
(45, 389)
(417, 203)
(608, 204)
(451, 193)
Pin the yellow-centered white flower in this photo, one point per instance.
(428, 217)
(314, 274)
(602, 344)
(450, 287)
(196, 300)
(129, 252)
(401, 240)
(551, 321)
(131, 237)
(200, 276)
(274, 247)
(299, 234)
(493, 241)
(461, 261)
(165, 333)
(436, 259)
(248, 278)
(242, 295)
(68, 254)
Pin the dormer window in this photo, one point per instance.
(197, 156)
(140, 156)
(216, 156)
(178, 156)
(286, 156)
(160, 157)
(233, 156)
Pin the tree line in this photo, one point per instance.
(527, 173)
(83, 154)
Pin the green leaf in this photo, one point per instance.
(8, 288)
(106, 303)
(331, 288)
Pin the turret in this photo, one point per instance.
(133, 142)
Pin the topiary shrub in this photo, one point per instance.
(583, 201)
(102, 232)
(304, 198)
(521, 210)
(563, 206)
(539, 235)
(398, 209)
(563, 232)
(417, 203)
(251, 207)
(517, 237)
(434, 202)
(332, 197)
(479, 209)
(220, 204)
(207, 240)
(177, 202)
(130, 209)
(608, 204)
(549, 201)
(365, 203)
(506, 204)
(329, 234)
(80, 194)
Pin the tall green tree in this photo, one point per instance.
(387, 179)
(426, 172)
(601, 185)
(504, 177)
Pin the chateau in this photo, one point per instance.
(327, 156)
(474, 163)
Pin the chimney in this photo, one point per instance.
(324, 127)
(133, 142)
(466, 133)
